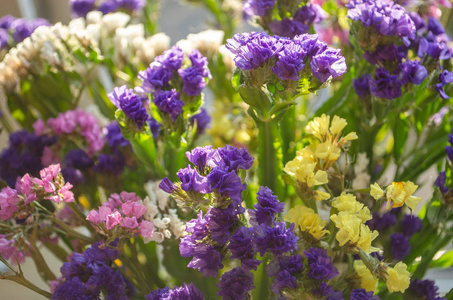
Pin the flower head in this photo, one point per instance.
(307, 220)
(398, 278)
(235, 284)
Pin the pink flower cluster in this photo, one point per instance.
(11, 252)
(75, 121)
(121, 216)
(50, 186)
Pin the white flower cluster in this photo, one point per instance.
(166, 220)
(362, 178)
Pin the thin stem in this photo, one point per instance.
(24, 282)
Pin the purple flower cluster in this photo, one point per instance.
(321, 266)
(79, 124)
(133, 105)
(241, 247)
(235, 284)
(286, 57)
(122, 216)
(445, 78)
(382, 222)
(423, 289)
(169, 102)
(400, 245)
(361, 294)
(80, 8)
(277, 239)
(266, 208)
(386, 17)
(89, 273)
(23, 155)
(202, 119)
(186, 291)
(258, 7)
(18, 29)
(285, 269)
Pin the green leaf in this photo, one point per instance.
(400, 133)
(236, 79)
(445, 261)
(255, 97)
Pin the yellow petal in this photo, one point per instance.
(338, 124)
(376, 192)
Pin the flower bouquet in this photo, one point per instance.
(310, 158)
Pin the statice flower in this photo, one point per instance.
(202, 119)
(12, 250)
(445, 78)
(385, 85)
(361, 294)
(400, 246)
(193, 80)
(277, 239)
(23, 155)
(169, 102)
(423, 289)
(382, 222)
(241, 246)
(186, 291)
(412, 71)
(171, 59)
(258, 7)
(266, 208)
(156, 76)
(122, 216)
(191, 180)
(235, 284)
(22, 28)
(386, 54)
(321, 266)
(290, 62)
(233, 159)
(133, 105)
(441, 181)
(285, 269)
(6, 21)
(411, 225)
(80, 8)
(110, 163)
(328, 64)
(362, 85)
(113, 135)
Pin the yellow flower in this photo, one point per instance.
(367, 280)
(351, 229)
(338, 124)
(327, 151)
(348, 203)
(320, 195)
(376, 192)
(319, 126)
(400, 193)
(398, 278)
(303, 171)
(307, 220)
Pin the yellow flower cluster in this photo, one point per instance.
(367, 280)
(397, 194)
(307, 220)
(398, 278)
(350, 222)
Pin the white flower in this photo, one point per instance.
(113, 21)
(151, 209)
(94, 17)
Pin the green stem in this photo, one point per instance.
(288, 133)
(24, 282)
(269, 157)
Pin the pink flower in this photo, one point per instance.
(94, 217)
(39, 127)
(8, 203)
(67, 195)
(114, 201)
(129, 197)
(133, 209)
(104, 211)
(10, 252)
(113, 219)
(130, 222)
(146, 229)
(24, 186)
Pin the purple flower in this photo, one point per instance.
(169, 102)
(423, 289)
(328, 64)
(108, 7)
(321, 266)
(154, 126)
(276, 239)
(290, 62)
(207, 260)
(325, 290)
(258, 7)
(362, 85)
(219, 222)
(285, 269)
(288, 28)
(200, 62)
(235, 284)
(171, 59)
(110, 163)
(445, 78)
(80, 8)
(266, 208)
(435, 26)
(193, 80)
(388, 53)
(167, 186)
(361, 294)
(400, 246)
(233, 159)
(131, 104)
(4, 38)
(241, 246)
(202, 119)
(229, 185)
(113, 135)
(131, 5)
(309, 14)
(440, 182)
(6, 21)
(79, 159)
(156, 76)
(410, 225)
(433, 48)
(200, 156)
(192, 181)
(419, 22)
(413, 71)
(381, 222)
(22, 28)
(186, 291)
(385, 86)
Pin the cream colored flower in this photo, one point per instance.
(367, 280)
(376, 192)
(398, 278)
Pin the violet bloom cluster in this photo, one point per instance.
(266, 208)
(90, 273)
(287, 58)
(321, 266)
(186, 291)
(235, 284)
(423, 289)
(260, 8)
(385, 17)
(19, 29)
(133, 105)
(121, 217)
(361, 294)
(285, 270)
(50, 185)
(80, 8)
(441, 181)
(23, 155)
(78, 124)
